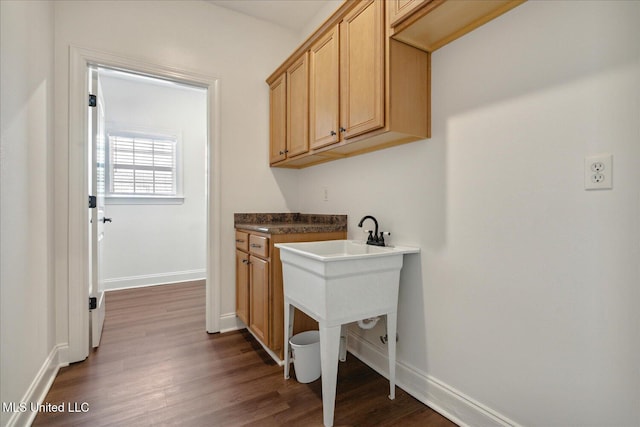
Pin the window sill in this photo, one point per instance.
(143, 200)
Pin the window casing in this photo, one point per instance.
(143, 166)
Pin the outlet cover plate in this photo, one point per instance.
(598, 172)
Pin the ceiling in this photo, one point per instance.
(291, 14)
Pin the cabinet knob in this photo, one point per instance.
(343, 130)
(332, 133)
(281, 152)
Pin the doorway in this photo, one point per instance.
(78, 249)
(156, 134)
(154, 183)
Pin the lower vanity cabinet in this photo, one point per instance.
(259, 287)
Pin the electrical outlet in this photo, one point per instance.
(325, 194)
(598, 172)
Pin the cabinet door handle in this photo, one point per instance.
(332, 133)
(246, 261)
(253, 245)
(281, 152)
(343, 130)
(239, 241)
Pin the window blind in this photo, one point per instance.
(142, 165)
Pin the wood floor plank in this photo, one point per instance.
(157, 366)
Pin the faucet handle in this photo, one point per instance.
(370, 237)
(381, 240)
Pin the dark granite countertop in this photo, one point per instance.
(287, 223)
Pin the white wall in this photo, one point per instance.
(27, 310)
(199, 37)
(524, 296)
(158, 243)
(327, 10)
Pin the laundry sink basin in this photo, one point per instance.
(340, 281)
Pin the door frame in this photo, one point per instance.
(78, 188)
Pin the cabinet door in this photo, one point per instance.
(259, 299)
(324, 90)
(242, 286)
(278, 120)
(298, 107)
(400, 9)
(362, 69)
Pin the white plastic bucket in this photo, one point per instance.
(305, 347)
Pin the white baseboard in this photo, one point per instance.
(39, 387)
(442, 398)
(230, 322)
(154, 279)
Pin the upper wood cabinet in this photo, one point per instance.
(289, 112)
(369, 77)
(278, 119)
(347, 77)
(324, 90)
(298, 107)
(362, 69)
(431, 24)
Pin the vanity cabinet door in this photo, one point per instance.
(362, 92)
(324, 90)
(242, 286)
(259, 298)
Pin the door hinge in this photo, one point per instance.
(92, 202)
(93, 100)
(93, 303)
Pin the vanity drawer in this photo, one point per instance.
(242, 241)
(259, 245)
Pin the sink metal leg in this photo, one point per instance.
(392, 319)
(329, 349)
(288, 332)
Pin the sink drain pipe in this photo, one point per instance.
(369, 323)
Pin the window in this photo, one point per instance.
(143, 166)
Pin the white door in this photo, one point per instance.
(98, 219)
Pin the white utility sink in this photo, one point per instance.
(337, 282)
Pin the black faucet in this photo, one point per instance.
(373, 239)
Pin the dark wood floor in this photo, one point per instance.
(156, 365)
